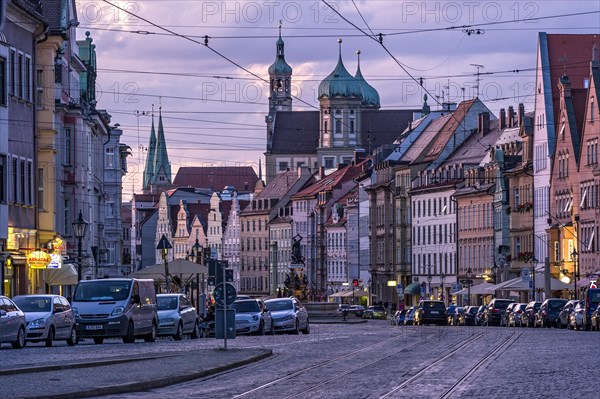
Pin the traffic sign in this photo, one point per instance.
(224, 294)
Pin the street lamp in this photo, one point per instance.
(429, 278)
(469, 276)
(164, 245)
(442, 279)
(575, 273)
(533, 261)
(80, 227)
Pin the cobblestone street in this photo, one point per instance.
(372, 360)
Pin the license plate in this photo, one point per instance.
(435, 312)
(93, 327)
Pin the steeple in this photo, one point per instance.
(280, 76)
(162, 167)
(149, 167)
(370, 97)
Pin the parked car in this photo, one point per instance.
(357, 310)
(528, 316)
(409, 317)
(343, 307)
(49, 318)
(288, 315)
(565, 313)
(494, 313)
(12, 323)
(398, 317)
(375, 312)
(592, 302)
(576, 317)
(514, 318)
(479, 315)
(596, 319)
(116, 308)
(468, 317)
(547, 316)
(252, 317)
(176, 317)
(430, 312)
(454, 318)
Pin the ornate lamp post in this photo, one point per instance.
(533, 261)
(575, 273)
(469, 276)
(164, 245)
(80, 227)
(429, 278)
(442, 279)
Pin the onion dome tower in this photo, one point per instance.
(370, 96)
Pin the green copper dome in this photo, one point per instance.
(280, 67)
(339, 83)
(370, 97)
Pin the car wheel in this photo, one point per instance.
(98, 340)
(195, 332)
(307, 329)
(50, 338)
(20, 341)
(72, 340)
(179, 333)
(151, 337)
(130, 334)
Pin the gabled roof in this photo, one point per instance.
(331, 181)
(475, 148)
(422, 142)
(281, 183)
(242, 178)
(448, 130)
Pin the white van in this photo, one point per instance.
(116, 308)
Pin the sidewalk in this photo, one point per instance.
(120, 374)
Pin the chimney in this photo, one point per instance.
(521, 114)
(321, 172)
(502, 119)
(483, 125)
(510, 117)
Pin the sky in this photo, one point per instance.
(213, 99)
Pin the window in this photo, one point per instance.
(328, 163)
(39, 89)
(20, 80)
(110, 210)
(2, 179)
(338, 126)
(3, 82)
(13, 72)
(109, 159)
(68, 146)
(15, 179)
(325, 127)
(283, 166)
(67, 216)
(28, 84)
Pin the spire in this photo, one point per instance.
(595, 61)
(425, 110)
(161, 158)
(339, 83)
(259, 169)
(149, 167)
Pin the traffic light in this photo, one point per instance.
(355, 282)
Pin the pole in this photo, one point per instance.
(224, 310)
(79, 245)
(533, 280)
(574, 254)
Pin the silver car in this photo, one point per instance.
(252, 317)
(176, 316)
(12, 323)
(288, 315)
(49, 318)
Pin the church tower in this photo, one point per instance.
(280, 87)
(157, 173)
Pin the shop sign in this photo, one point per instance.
(38, 259)
(55, 262)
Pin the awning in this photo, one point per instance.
(413, 289)
(66, 275)
(350, 294)
(518, 284)
(479, 289)
(179, 267)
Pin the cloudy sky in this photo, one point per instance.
(213, 110)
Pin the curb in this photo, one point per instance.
(156, 382)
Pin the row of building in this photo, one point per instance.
(426, 200)
(60, 156)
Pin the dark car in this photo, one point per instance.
(528, 316)
(565, 313)
(596, 319)
(495, 311)
(468, 318)
(430, 312)
(514, 318)
(592, 302)
(409, 317)
(547, 316)
(356, 310)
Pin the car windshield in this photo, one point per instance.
(33, 303)
(166, 302)
(595, 296)
(246, 307)
(556, 305)
(473, 310)
(433, 305)
(102, 291)
(274, 306)
(501, 304)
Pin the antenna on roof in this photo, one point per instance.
(478, 74)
